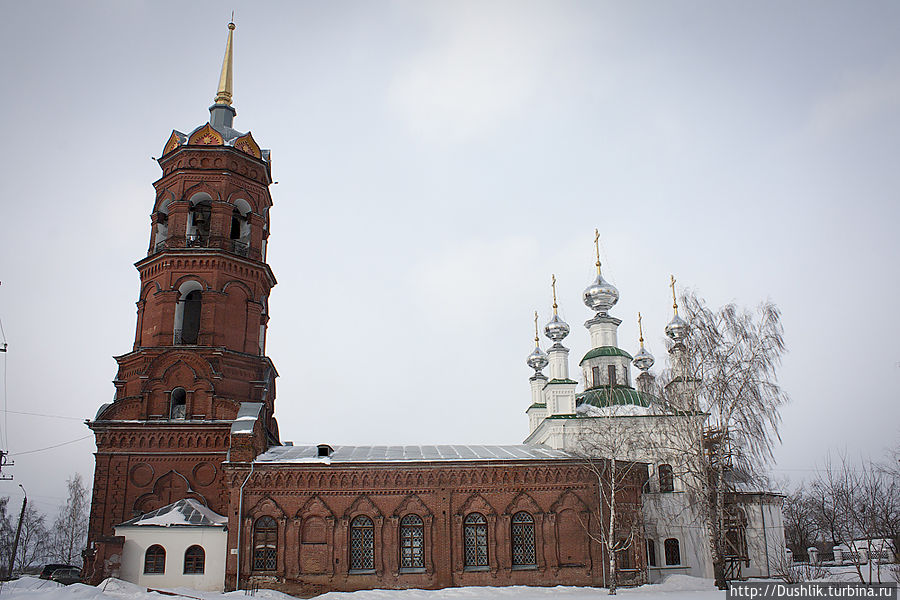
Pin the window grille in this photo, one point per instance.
(673, 552)
(155, 560)
(362, 544)
(412, 542)
(194, 560)
(265, 544)
(523, 554)
(475, 540)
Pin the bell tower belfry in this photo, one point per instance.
(198, 365)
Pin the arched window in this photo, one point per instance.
(651, 552)
(177, 403)
(199, 220)
(673, 552)
(412, 542)
(623, 556)
(187, 312)
(362, 544)
(194, 560)
(475, 536)
(265, 544)
(155, 560)
(666, 479)
(239, 233)
(523, 554)
(162, 226)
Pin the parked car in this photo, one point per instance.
(66, 575)
(47, 571)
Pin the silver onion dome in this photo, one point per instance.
(556, 329)
(601, 295)
(643, 360)
(676, 329)
(537, 360)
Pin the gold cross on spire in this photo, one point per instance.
(597, 248)
(553, 285)
(674, 301)
(226, 86)
(641, 330)
(537, 339)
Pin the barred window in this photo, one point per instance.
(623, 556)
(673, 552)
(412, 542)
(155, 560)
(523, 554)
(475, 540)
(362, 544)
(194, 560)
(666, 479)
(265, 544)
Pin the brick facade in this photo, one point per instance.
(559, 495)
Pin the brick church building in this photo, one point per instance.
(193, 419)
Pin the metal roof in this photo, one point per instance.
(185, 512)
(247, 415)
(378, 454)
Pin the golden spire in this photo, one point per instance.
(537, 340)
(597, 248)
(553, 285)
(223, 95)
(641, 330)
(674, 301)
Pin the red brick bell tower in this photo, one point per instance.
(199, 351)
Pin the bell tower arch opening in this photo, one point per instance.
(199, 216)
(187, 313)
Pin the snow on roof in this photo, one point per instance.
(247, 415)
(352, 454)
(185, 512)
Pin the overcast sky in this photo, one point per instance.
(437, 161)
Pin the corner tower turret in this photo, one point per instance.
(560, 390)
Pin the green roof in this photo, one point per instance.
(560, 381)
(536, 405)
(603, 396)
(605, 351)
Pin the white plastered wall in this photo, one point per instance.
(175, 540)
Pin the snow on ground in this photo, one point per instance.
(677, 587)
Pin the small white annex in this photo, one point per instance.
(179, 545)
(614, 406)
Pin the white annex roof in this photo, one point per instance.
(377, 454)
(185, 512)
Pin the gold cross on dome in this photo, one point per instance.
(597, 248)
(641, 330)
(553, 285)
(536, 338)
(674, 301)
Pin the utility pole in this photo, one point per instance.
(12, 558)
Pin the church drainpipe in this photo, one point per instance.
(237, 582)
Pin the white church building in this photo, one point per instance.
(611, 402)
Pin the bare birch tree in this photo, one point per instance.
(724, 368)
(70, 527)
(608, 447)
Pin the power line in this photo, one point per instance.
(51, 447)
(21, 412)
